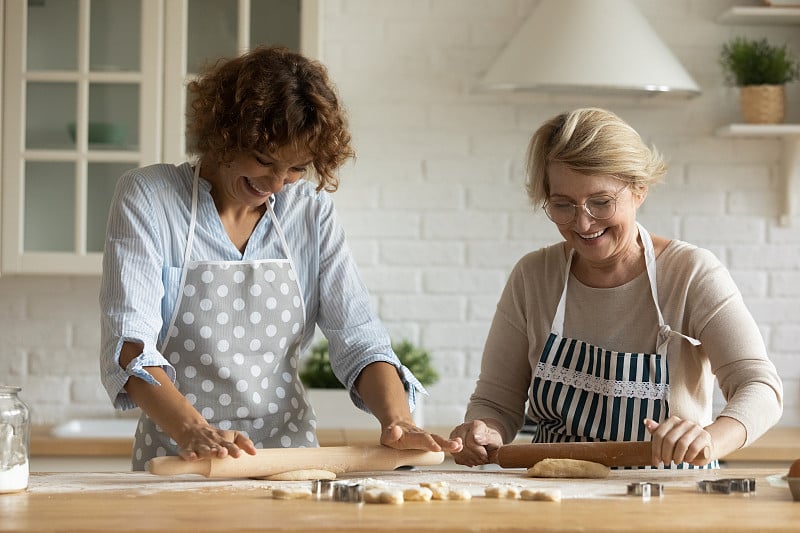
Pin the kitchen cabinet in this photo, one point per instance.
(788, 133)
(92, 88)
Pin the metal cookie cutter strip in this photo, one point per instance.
(645, 489)
(322, 489)
(339, 491)
(727, 486)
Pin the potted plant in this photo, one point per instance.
(332, 403)
(760, 70)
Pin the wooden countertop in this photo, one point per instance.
(128, 501)
(780, 444)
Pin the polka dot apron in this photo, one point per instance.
(582, 393)
(234, 341)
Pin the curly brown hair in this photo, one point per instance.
(264, 100)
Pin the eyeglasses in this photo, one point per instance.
(600, 207)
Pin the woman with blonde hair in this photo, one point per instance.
(615, 334)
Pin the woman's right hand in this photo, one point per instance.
(481, 440)
(201, 441)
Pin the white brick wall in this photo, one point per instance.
(435, 208)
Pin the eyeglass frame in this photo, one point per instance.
(585, 209)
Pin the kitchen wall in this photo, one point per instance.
(435, 207)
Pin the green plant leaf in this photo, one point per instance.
(318, 374)
(757, 62)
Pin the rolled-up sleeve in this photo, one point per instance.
(131, 288)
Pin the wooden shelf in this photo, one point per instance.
(784, 16)
(790, 161)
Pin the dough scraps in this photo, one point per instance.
(541, 495)
(496, 490)
(418, 494)
(440, 489)
(568, 468)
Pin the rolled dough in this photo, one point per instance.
(570, 468)
(301, 475)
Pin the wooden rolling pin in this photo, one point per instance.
(266, 462)
(609, 453)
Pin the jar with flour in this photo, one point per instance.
(15, 425)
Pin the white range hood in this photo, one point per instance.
(594, 46)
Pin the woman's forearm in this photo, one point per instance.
(380, 387)
(163, 403)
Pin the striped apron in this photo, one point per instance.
(582, 393)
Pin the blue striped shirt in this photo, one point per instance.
(143, 259)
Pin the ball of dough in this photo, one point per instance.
(568, 468)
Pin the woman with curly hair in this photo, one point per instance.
(216, 273)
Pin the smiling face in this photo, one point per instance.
(251, 178)
(603, 244)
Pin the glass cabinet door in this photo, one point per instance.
(92, 88)
(80, 92)
(214, 29)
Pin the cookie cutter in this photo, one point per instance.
(338, 491)
(645, 489)
(322, 489)
(727, 486)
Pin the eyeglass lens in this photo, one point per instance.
(598, 207)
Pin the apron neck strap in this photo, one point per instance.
(187, 254)
(650, 263)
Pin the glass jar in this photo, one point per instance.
(15, 425)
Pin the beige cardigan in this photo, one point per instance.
(697, 298)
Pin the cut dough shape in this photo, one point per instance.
(569, 468)
(392, 496)
(301, 475)
(373, 495)
(501, 491)
(440, 489)
(418, 494)
(541, 495)
(291, 494)
(459, 494)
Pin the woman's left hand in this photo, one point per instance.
(407, 436)
(679, 441)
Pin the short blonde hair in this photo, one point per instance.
(591, 141)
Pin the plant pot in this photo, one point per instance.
(335, 410)
(763, 104)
